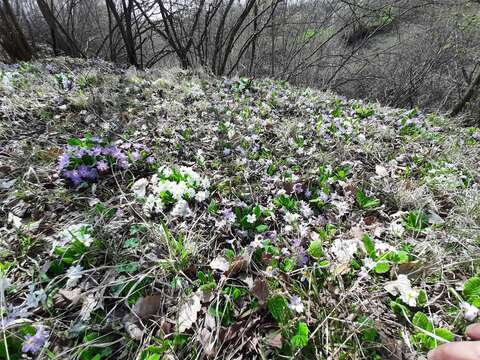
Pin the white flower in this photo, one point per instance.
(470, 312)
(80, 232)
(296, 304)
(403, 287)
(291, 217)
(139, 187)
(369, 263)
(181, 209)
(305, 209)
(343, 250)
(201, 196)
(397, 229)
(409, 297)
(251, 218)
(35, 297)
(74, 273)
(4, 283)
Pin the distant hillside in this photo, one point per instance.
(171, 215)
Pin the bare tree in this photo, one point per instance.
(12, 39)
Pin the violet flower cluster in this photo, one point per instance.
(85, 159)
(34, 343)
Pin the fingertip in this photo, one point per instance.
(473, 331)
(431, 355)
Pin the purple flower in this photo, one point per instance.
(112, 150)
(102, 165)
(121, 156)
(63, 161)
(67, 84)
(79, 152)
(34, 343)
(73, 176)
(297, 188)
(150, 160)
(229, 216)
(296, 304)
(95, 151)
(302, 258)
(136, 155)
(91, 174)
(83, 171)
(122, 164)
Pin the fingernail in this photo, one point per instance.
(473, 331)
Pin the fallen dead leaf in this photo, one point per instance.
(238, 265)
(71, 295)
(260, 290)
(148, 306)
(219, 263)
(187, 315)
(274, 339)
(207, 340)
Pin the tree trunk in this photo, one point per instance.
(125, 29)
(12, 39)
(61, 39)
(467, 96)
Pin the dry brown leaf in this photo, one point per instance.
(71, 295)
(148, 306)
(187, 315)
(133, 330)
(238, 265)
(89, 304)
(229, 333)
(260, 290)
(207, 339)
(274, 339)
(219, 263)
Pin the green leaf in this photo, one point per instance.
(365, 202)
(399, 309)
(398, 257)
(229, 254)
(128, 267)
(422, 321)
(278, 307)
(471, 288)
(74, 142)
(422, 298)
(475, 301)
(367, 328)
(382, 267)
(444, 334)
(369, 246)
(315, 249)
(131, 243)
(261, 228)
(288, 264)
(300, 339)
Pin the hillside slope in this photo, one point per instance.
(170, 215)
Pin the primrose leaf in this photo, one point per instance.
(421, 320)
(261, 228)
(471, 288)
(278, 307)
(369, 246)
(300, 339)
(315, 249)
(381, 267)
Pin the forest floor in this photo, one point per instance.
(171, 215)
